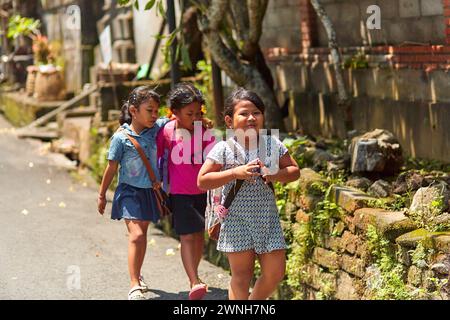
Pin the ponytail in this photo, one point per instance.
(125, 116)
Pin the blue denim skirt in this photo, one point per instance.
(134, 203)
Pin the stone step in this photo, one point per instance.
(38, 133)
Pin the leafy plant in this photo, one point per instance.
(22, 26)
(358, 61)
(391, 284)
(424, 217)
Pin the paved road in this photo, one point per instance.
(54, 245)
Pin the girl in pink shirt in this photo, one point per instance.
(181, 144)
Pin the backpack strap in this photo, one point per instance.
(232, 193)
(160, 201)
(168, 132)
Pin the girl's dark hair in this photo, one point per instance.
(138, 96)
(240, 94)
(182, 94)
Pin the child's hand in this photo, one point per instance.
(247, 171)
(101, 203)
(266, 174)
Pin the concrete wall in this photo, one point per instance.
(401, 21)
(281, 26)
(412, 104)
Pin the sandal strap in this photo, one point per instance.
(134, 289)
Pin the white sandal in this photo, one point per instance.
(135, 293)
(143, 285)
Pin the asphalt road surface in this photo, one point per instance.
(54, 244)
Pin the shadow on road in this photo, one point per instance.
(213, 294)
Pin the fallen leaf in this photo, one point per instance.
(42, 204)
(48, 181)
(62, 205)
(97, 254)
(31, 164)
(179, 246)
(152, 242)
(14, 278)
(49, 199)
(170, 252)
(25, 212)
(220, 276)
(71, 189)
(84, 184)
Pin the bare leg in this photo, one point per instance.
(189, 256)
(137, 244)
(273, 265)
(242, 266)
(199, 245)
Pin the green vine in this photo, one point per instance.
(390, 285)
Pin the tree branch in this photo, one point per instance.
(223, 56)
(335, 56)
(216, 13)
(239, 12)
(256, 10)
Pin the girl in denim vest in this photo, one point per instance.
(134, 200)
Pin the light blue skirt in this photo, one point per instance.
(134, 203)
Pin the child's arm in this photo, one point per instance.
(108, 176)
(288, 171)
(210, 176)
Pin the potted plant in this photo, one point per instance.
(44, 79)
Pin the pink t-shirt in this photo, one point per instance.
(185, 158)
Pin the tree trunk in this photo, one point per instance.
(344, 102)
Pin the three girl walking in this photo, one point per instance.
(250, 230)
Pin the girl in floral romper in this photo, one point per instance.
(252, 227)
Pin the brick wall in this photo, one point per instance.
(446, 4)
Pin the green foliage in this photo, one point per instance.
(426, 166)
(390, 285)
(297, 258)
(297, 149)
(358, 61)
(98, 160)
(420, 255)
(19, 25)
(425, 216)
(205, 86)
(396, 203)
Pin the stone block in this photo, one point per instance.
(409, 8)
(308, 177)
(353, 265)
(442, 243)
(437, 240)
(362, 251)
(431, 7)
(415, 276)
(349, 242)
(391, 224)
(316, 278)
(326, 258)
(333, 243)
(302, 216)
(404, 256)
(350, 224)
(346, 287)
(349, 199)
(307, 202)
